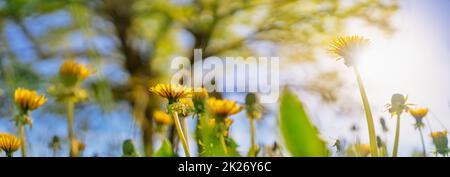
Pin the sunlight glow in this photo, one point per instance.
(409, 62)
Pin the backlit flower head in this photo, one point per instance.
(222, 108)
(28, 100)
(347, 48)
(73, 72)
(162, 118)
(171, 92)
(9, 143)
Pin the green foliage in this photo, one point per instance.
(146, 34)
(300, 136)
(232, 148)
(210, 144)
(165, 150)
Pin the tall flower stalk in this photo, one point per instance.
(181, 134)
(173, 93)
(220, 110)
(70, 108)
(369, 118)
(68, 91)
(397, 137)
(397, 106)
(419, 114)
(26, 101)
(348, 48)
(253, 112)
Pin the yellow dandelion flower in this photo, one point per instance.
(171, 92)
(363, 150)
(9, 143)
(440, 141)
(28, 100)
(162, 118)
(73, 72)
(439, 134)
(222, 108)
(199, 94)
(418, 113)
(347, 48)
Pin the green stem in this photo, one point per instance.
(370, 124)
(253, 137)
(70, 127)
(224, 145)
(397, 137)
(181, 134)
(9, 154)
(423, 142)
(23, 141)
(185, 130)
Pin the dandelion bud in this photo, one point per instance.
(128, 149)
(55, 144)
(228, 122)
(380, 142)
(398, 104)
(252, 106)
(383, 124)
(338, 145)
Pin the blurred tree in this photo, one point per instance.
(141, 36)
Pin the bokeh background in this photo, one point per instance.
(130, 43)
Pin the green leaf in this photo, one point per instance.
(300, 136)
(165, 150)
(232, 148)
(128, 149)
